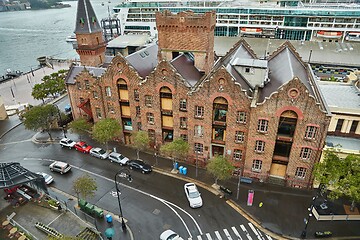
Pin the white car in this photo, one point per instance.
(170, 235)
(66, 142)
(48, 179)
(99, 153)
(193, 195)
(118, 158)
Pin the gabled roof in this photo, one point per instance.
(145, 60)
(184, 64)
(76, 70)
(86, 21)
(13, 174)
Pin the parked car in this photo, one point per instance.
(99, 153)
(82, 147)
(139, 165)
(193, 195)
(170, 235)
(61, 167)
(118, 158)
(67, 142)
(48, 179)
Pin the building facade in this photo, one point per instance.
(266, 116)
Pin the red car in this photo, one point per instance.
(82, 147)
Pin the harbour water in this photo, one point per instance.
(27, 35)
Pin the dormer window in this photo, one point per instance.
(82, 22)
(247, 70)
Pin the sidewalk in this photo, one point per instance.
(283, 210)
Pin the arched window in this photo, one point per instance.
(287, 123)
(220, 108)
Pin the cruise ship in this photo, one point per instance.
(311, 20)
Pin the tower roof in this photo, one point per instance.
(86, 21)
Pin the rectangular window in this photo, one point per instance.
(183, 104)
(198, 131)
(137, 111)
(184, 137)
(95, 95)
(148, 100)
(108, 91)
(237, 155)
(199, 148)
(263, 125)
(183, 122)
(339, 124)
(87, 84)
(300, 172)
(239, 136)
(151, 134)
(354, 126)
(256, 166)
(82, 100)
(139, 126)
(199, 112)
(150, 118)
(241, 117)
(110, 108)
(78, 85)
(136, 95)
(311, 132)
(98, 112)
(259, 146)
(305, 153)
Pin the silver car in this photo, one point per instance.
(99, 153)
(118, 158)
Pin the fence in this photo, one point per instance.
(334, 217)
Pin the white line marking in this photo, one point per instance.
(55, 219)
(4, 144)
(218, 235)
(208, 236)
(246, 232)
(227, 234)
(268, 237)
(236, 233)
(254, 230)
(167, 203)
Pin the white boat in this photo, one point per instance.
(71, 39)
(283, 19)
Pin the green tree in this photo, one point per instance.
(340, 176)
(140, 141)
(106, 130)
(41, 118)
(220, 168)
(177, 149)
(80, 126)
(85, 186)
(39, 92)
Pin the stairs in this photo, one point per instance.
(276, 181)
(48, 230)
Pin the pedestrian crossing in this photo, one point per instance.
(241, 232)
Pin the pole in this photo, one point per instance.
(156, 159)
(58, 110)
(303, 233)
(123, 226)
(238, 188)
(196, 172)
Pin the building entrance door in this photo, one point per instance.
(278, 170)
(217, 150)
(127, 138)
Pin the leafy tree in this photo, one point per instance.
(106, 130)
(85, 186)
(80, 126)
(41, 118)
(220, 168)
(39, 92)
(177, 149)
(342, 177)
(140, 141)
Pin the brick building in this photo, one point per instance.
(266, 116)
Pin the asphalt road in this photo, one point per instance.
(151, 202)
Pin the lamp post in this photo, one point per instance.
(303, 234)
(58, 110)
(122, 173)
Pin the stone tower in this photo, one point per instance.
(187, 32)
(91, 45)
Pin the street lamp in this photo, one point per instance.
(122, 173)
(58, 110)
(310, 209)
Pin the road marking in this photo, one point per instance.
(115, 194)
(10, 143)
(199, 238)
(254, 230)
(246, 232)
(227, 234)
(218, 235)
(268, 237)
(236, 233)
(208, 236)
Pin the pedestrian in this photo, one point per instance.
(261, 204)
